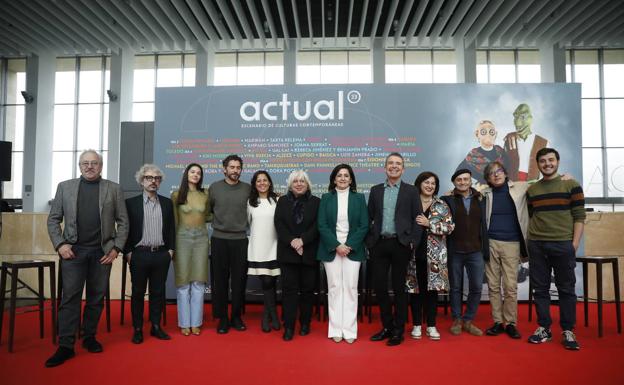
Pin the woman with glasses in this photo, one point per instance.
(192, 211)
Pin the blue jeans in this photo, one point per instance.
(559, 257)
(475, 267)
(191, 304)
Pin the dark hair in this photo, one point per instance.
(488, 170)
(183, 191)
(254, 194)
(332, 177)
(423, 176)
(393, 154)
(544, 151)
(230, 158)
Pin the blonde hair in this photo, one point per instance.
(297, 175)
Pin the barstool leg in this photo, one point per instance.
(599, 289)
(53, 301)
(2, 295)
(41, 299)
(585, 294)
(13, 304)
(616, 289)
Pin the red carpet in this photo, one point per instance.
(253, 357)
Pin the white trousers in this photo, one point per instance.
(342, 284)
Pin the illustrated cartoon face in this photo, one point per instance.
(486, 134)
(522, 117)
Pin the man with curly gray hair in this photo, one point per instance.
(149, 250)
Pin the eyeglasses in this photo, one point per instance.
(92, 163)
(151, 178)
(485, 131)
(497, 172)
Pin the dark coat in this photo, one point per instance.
(287, 230)
(408, 207)
(450, 240)
(135, 215)
(358, 226)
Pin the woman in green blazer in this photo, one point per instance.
(342, 224)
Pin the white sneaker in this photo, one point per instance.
(433, 333)
(417, 332)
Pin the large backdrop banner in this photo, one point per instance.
(314, 127)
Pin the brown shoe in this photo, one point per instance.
(472, 329)
(456, 328)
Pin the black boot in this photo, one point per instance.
(269, 296)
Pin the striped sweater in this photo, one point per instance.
(554, 206)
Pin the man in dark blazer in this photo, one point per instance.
(468, 248)
(149, 249)
(94, 232)
(392, 207)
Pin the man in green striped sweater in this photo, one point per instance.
(557, 213)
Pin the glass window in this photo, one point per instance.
(334, 67)
(143, 112)
(169, 72)
(614, 123)
(592, 132)
(418, 67)
(502, 67)
(308, 67)
(273, 68)
(615, 164)
(63, 169)
(14, 126)
(592, 172)
(89, 119)
(250, 68)
(444, 68)
(13, 71)
(360, 70)
(529, 69)
(614, 73)
(395, 70)
(15, 81)
(225, 69)
(90, 80)
(586, 72)
(482, 67)
(189, 70)
(66, 81)
(63, 137)
(13, 188)
(144, 79)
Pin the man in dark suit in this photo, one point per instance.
(95, 229)
(149, 249)
(392, 207)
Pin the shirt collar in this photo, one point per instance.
(146, 197)
(397, 184)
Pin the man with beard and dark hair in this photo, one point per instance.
(228, 202)
(557, 215)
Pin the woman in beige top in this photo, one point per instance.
(192, 211)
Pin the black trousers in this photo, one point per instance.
(84, 269)
(560, 258)
(298, 281)
(229, 264)
(147, 267)
(426, 300)
(390, 255)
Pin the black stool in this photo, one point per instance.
(124, 273)
(599, 261)
(15, 267)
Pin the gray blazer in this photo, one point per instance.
(112, 210)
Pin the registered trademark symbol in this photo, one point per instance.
(354, 97)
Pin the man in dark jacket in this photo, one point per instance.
(392, 208)
(149, 249)
(467, 248)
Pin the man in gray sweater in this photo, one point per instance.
(228, 201)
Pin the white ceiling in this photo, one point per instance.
(69, 27)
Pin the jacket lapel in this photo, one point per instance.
(103, 192)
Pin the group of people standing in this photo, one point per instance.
(419, 240)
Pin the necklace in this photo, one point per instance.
(426, 201)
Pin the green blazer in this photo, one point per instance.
(358, 226)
